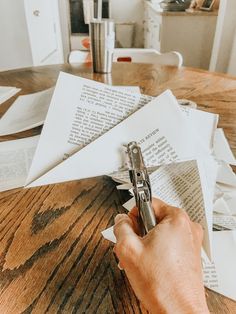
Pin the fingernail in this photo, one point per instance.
(120, 268)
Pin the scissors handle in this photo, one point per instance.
(147, 215)
(141, 187)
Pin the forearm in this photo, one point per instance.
(183, 307)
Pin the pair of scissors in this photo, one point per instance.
(141, 187)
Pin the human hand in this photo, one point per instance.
(164, 267)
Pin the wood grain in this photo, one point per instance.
(52, 256)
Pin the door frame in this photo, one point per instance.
(60, 18)
(65, 26)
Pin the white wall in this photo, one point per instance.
(15, 49)
(128, 11)
(64, 16)
(223, 42)
(232, 61)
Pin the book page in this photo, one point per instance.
(27, 112)
(210, 277)
(7, 92)
(225, 174)
(15, 160)
(220, 274)
(227, 196)
(224, 221)
(94, 108)
(125, 186)
(133, 89)
(109, 234)
(220, 206)
(179, 184)
(120, 176)
(222, 149)
(81, 110)
(182, 185)
(159, 127)
(129, 204)
(204, 123)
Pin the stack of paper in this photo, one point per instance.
(84, 133)
(224, 216)
(27, 112)
(16, 157)
(30, 111)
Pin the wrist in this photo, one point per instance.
(179, 303)
(170, 308)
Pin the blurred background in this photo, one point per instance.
(41, 32)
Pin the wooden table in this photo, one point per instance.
(52, 256)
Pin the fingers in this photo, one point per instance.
(128, 244)
(133, 215)
(177, 216)
(123, 227)
(163, 210)
(198, 232)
